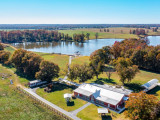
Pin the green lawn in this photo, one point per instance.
(17, 106)
(91, 113)
(61, 60)
(57, 98)
(80, 60)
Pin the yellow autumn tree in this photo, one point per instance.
(141, 106)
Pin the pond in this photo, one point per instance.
(71, 47)
(66, 47)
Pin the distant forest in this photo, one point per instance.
(39, 36)
(72, 26)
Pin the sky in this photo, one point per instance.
(79, 11)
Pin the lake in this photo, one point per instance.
(70, 47)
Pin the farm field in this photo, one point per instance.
(100, 34)
(17, 106)
(119, 32)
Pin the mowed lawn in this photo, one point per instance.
(91, 113)
(17, 106)
(60, 60)
(57, 97)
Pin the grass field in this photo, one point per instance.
(100, 34)
(16, 106)
(57, 98)
(119, 32)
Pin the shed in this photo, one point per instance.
(67, 97)
(150, 84)
(102, 110)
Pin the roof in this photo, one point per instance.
(150, 83)
(34, 81)
(108, 100)
(67, 95)
(100, 93)
(82, 91)
(113, 88)
(102, 110)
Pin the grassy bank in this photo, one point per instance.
(17, 106)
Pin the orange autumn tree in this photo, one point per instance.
(141, 106)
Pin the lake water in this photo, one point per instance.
(70, 47)
(154, 40)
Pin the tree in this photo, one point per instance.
(84, 72)
(81, 72)
(109, 70)
(48, 71)
(17, 58)
(1, 46)
(141, 106)
(4, 56)
(73, 72)
(96, 35)
(96, 63)
(31, 62)
(87, 35)
(125, 69)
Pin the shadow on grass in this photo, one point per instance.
(59, 87)
(101, 81)
(154, 91)
(70, 103)
(106, 117)
(22, 75)
(136, 87)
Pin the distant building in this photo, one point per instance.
(150, 84)
(106, 96)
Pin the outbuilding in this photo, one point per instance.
(150, 84)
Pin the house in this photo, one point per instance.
(150, 84)
(106, 96)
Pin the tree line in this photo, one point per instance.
(41, 36)
(72, 26)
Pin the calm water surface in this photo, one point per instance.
(70, 47)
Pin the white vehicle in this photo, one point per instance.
(36, 83)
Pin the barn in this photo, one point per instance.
(109, 97)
